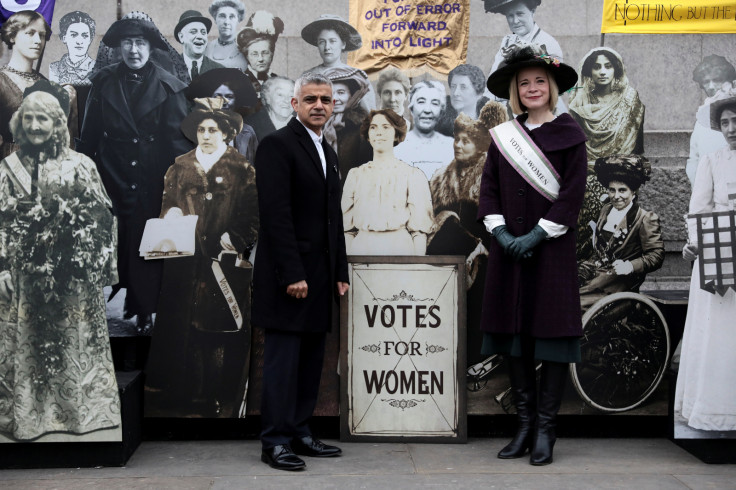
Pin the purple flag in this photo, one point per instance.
(43, 7)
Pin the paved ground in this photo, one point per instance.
(579, 464)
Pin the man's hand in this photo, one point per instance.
(6, 286)
(342, 288)
(298, 289)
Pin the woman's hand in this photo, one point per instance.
(622, 268)
(225, 242)
(173, 213)
(690, 252)
(522, 247)
(6, 286)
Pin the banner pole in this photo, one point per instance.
(603, 38)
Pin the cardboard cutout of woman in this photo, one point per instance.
(608, 109)
(227, 14)
(131, 130)
(25, 33)
(237, 94)
(57, 251)
(342, 130)
(165, 56)
(524, 30)
(257, 42)
(199, 356)
(627, 243)
(76, 31)
(386, 203)
(276, 110)
(333, 35)
(467, 85)
(710, 75)
(704, 398)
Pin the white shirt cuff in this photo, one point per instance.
(492, 221)
(553, 229)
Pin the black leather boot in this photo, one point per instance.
(551, 387)
(523, 377)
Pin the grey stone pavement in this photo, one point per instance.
(579, 464)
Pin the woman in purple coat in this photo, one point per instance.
(531, 193)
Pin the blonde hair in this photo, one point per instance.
(518, 108)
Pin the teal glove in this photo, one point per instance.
(522, 246)
(503, 237)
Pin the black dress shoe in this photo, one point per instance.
(309, 446)
(282, 457)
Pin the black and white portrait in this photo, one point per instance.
(386, 203)
(276, 110)
(257, 42)
(425, 147)
(191, 32)
(131, 129)
(57, 252)
(199, 359)
(237, 94)
(467, 84)
(76, 31)
(705, 404)
(224, 50)
(710, 75)
(611, 114)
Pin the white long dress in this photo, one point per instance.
(706, 383)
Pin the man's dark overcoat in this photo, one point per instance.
(133, 144)
(301, 233)
(537, 296)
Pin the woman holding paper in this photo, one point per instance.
(627, 242)
(531, 193)
(199, 349)
(704, 396)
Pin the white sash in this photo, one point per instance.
(18, 173)
(228, 294)
(527, 159)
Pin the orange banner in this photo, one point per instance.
(410, 35)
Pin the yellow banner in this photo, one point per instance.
(651, 17)
(410, 35)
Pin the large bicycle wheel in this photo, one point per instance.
(624, 350)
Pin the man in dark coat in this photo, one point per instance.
(131, 131)
(300, 264)
(191, 32)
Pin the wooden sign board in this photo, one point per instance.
(403, 350)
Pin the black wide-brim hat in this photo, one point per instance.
(498, 6)
(716, 108)
(210, 108)
(205, 85)
(133, 28)
(633, 170)
(525, 57)
(188, 17)
(336, 23)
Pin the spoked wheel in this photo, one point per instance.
(625, 347)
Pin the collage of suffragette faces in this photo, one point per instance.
(129, 204)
